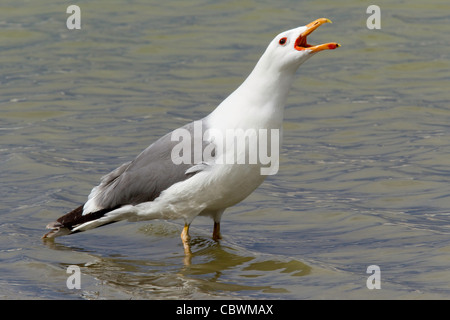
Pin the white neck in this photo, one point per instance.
(259, 101)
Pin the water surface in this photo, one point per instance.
(365, 167)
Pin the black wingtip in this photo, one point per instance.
(65, 224)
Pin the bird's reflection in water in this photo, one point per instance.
(213, 269)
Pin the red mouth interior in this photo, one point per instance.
(300, 43)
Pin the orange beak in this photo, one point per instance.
(301, 44)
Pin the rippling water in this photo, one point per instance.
(365, 168)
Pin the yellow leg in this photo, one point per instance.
(216, 231)
(185, 238)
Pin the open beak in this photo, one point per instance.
(301, 44)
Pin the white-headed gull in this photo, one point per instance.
(201, 169)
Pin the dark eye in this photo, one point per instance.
(282, 41)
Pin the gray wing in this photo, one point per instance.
(144, 178)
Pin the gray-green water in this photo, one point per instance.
(365, 167)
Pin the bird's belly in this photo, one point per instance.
(214, 189)
(231, 184)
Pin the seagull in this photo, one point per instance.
(161, 184)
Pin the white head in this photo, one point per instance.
(290, 49)
(263, 94)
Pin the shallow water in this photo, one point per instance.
(365, 167)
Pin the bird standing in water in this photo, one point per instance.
(154, 186)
